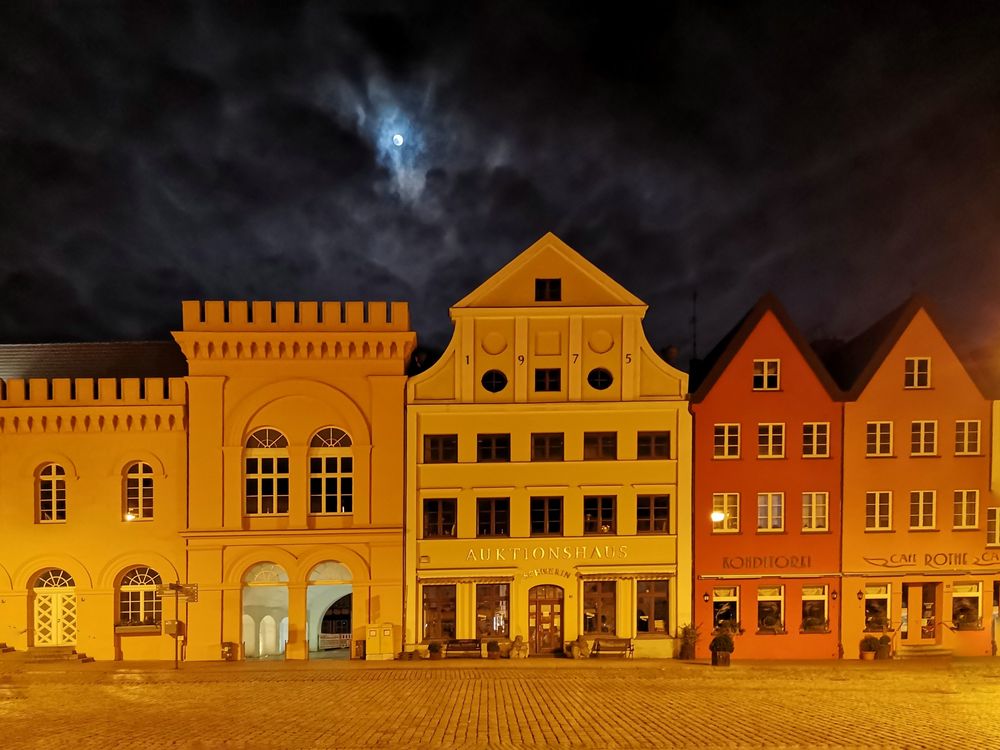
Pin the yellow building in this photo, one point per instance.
(548, 468)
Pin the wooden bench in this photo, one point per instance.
(612, 646)
(462, 647)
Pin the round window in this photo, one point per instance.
(494, 381)
(599, 378)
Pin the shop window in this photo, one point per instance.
(966, 609)
(816, 440)
(492, 610)
(917, 372)
(770, 511)
(770, 609)
(493, 516)
(548, 379)
(922, 504)
(548, 290)
(770, 441)
(726, 608)
(814, 609)
(50, 493)
(652, 514)
(440, 449)
(138, 492)
(878, 440)
(726, 441)
(966, 509)
(766, 374)
(651, 606)
(725, 506)
(546, 516)
(439, 517)
(598, 446)
(265, 464)
(493, 448)
(815, 511)
(439, 612)
(967, 437)
(878, 511)
(877, 607)
(993, 527)
(652, 445)
(599, 514)
(547, 446)
(138, 601)
(599, 607)
(331, 472)
(923, 438)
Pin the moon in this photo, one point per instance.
(397, 139)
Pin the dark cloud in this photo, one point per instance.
(842, 156)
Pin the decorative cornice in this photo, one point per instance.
(367, 345)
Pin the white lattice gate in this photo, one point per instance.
(55, 609)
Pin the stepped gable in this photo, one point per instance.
(705, 372)
(108, 359)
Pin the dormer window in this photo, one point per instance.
(917, 372)
(766, 374)
(548, 290)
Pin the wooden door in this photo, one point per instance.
(545, 619)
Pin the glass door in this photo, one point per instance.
(545, 624)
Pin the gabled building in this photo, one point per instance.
(921, 553)
(766, 528)
(548, 473)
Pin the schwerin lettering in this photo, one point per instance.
(558, 552)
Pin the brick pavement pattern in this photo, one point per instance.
(484, 704)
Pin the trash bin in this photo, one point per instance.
(229, 651)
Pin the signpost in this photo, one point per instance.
(189, 593)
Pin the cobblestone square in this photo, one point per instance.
(483, 704)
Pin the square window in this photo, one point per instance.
(652, 445)
(546, 516)
(766, 374)
(917, 372)
(548, 290)
(599, 515)
(600, 446)
(548, 380)
(726, 441)
(547, 446)
(493, 448)
(493, 516)
(440, 449)
(653, 514)
(439, 517)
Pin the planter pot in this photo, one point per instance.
(868, 656)
(720, 658)
(687, 651)
(883, 652)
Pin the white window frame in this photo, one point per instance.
(969, 590)
(923, 509)
(883, 510)
(771, 594)
(923, 437)
(875, 432)
(771, 435)
(813, 593)
(770, 511)
(332, 448)
(766, 372)
(727, 503)
(267, 444)
(138, 598)
(726, 440)
(139, 492)
(816, 440)
(993, 527)
(812, 504)
(966, 507)
(968, 433)
(915, 376)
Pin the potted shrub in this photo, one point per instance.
(492, 650)
(434, 650)
(884, 650)
(722, 647)
(869, 645)
(689, 636)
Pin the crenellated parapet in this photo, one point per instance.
(92, 405)
(217, 330)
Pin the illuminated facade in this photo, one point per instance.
(548, 473)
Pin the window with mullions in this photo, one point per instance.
(770, 440)
(816, 440)
(265, 464)
(440, 449)
(966, 509)
(546, 516)
(726, 506)
(493, 448)
(599, 607)
(992, 527)
(967, 437)
(770, 511)
(922, 504)
(815, 511)
(138, 491)
(331, 472)
(600, 446)
(923, 438)
(493, 516)
(917, 372)
(547, 379)
(652, 514)
(878, 511)
(439, 517)
(878, 439)
(599, 515)
(652, 445)
(726, 441)
(651, 606)
(547, 446)
(548, 290)
(439, 612)
(138, 601)
(766, 374)
(814, 617)
(50, 486)
(770, 609)
(492, 610)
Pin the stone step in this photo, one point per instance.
(52, 653)
(914, 651)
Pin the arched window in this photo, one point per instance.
(50, 489)
(138, 492)
(331, 472)
(53, 578)
(265, 463)
(138, 602)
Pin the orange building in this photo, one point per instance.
(921, 555)
(767, 437)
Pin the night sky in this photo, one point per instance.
(842, 155)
